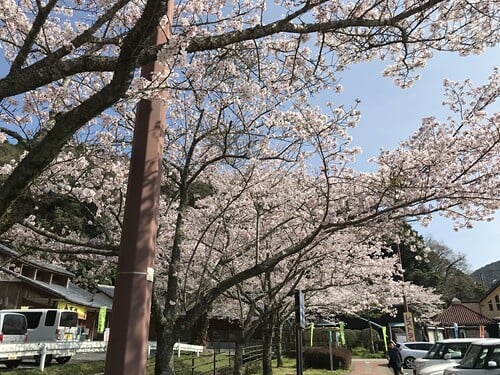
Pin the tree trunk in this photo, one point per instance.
(165, 338)
(278, 340)
(200, 330)
(372, 347)
(238, 358)
(267, 346)
(164, 353)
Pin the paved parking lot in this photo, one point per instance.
(372, 367)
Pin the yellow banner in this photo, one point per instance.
(410, 330)
(82, 311)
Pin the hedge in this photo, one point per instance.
(319, 357)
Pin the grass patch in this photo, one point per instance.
(289, 369)
(183, 366)
(88, 368)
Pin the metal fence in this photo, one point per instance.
(201, 361)
(214, 360)
(40, 350)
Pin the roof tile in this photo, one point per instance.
(462, 315)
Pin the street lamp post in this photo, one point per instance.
(405, 303)
(407, 315)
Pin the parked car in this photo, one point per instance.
(50, 325)
(13, 330)
(412, 350)
(437, 369)
(442, 354)
(482, 358)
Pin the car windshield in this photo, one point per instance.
(14, 324)
(475, 357)
(69, 319)
(456, 350)
(436, 351)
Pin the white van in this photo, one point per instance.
(49, 325)
(13, 330)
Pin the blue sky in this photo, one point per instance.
(390, 114)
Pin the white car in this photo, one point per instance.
(482, 358)
(444, 353)
(437, 369)
(412, 350)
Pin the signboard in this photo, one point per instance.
(300, 314)
(300, 324)
(82, 311)
(410, 330)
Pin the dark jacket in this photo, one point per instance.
(395, 358)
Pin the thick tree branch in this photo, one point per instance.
(66, 124)
(47, 71)
(38, 23)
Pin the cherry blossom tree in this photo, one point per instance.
(239, 79)
(67, 62)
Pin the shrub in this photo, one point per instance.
(365, 340)
(351, 338)
(252, 368)
(319, 357)
(320, 337)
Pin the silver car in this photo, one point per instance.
(445, 353)
(412, 350)
(482, 358)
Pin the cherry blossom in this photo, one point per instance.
(258, 182)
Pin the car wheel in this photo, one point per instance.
(62, 360)
(12, 364)
(408, 362)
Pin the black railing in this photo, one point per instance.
(252, 353)
(218, 360)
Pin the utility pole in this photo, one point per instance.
(127, 348)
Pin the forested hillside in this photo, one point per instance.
(432, 264)
(488, 274)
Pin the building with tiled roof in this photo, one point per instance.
(459, 320)
(462, 315)
(26, 283)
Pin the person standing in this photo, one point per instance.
(395, 359)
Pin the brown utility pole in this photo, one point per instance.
(127, 348)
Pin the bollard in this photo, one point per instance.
(43, 355)
(215, 362)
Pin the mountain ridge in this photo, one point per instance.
(488, 274)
